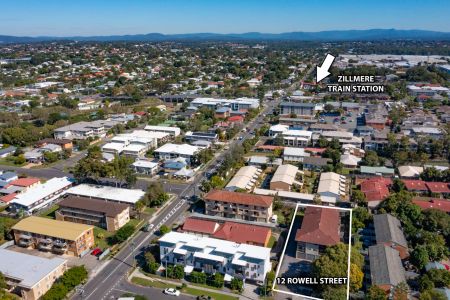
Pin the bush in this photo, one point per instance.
(237, 284)
(197, 277)
(217, 280)
(70, 279)
(123, 233)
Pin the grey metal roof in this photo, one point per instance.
(385, 266)
(298, 104)
(29, 269)
(389, 229)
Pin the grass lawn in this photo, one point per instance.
(6, 162)
(151, 283)
(272, 241)
(150, 210)
(103, 242)
(215, 296)
(49, 213)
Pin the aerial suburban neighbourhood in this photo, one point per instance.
(294, 165)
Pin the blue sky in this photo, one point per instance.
(105, 17)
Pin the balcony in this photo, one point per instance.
(45, 244)
(59, 247)
(25, 240)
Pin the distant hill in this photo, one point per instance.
(333, 35)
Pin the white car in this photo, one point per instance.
(172, 292)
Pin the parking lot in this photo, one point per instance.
(89, 261)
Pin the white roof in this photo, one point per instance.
(134, 148)
(113, 146)
(207, 245)
(180, 149)
(291, 151)
(243, 178)
(144, 164)
(293, 195)
(350, 160)
(285, 173)
(330, 182)
(29, 269)
(107, 192)
(174, 130)
(41, 191)
(410, 171)
(279, 128)
(298, 133)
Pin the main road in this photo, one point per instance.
(111, 277)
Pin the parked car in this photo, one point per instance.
(172, 292)
(96, 252)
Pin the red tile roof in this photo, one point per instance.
(320, 226)
(243, 233)
(239, 198)
(376, 189)
(199, 225)
(436, 203)
(438, 187)
(415, 185)
(24, 182)
(7, 198)
(235, 119)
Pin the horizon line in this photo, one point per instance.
(217, 33)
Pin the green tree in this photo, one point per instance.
(178, 272)
(150, 262)
(216, 181)
(123, 233)
(375, 293)
(335, 293)
(432, 295)
(237, 284)
(217, 280)
(197, 277)
(2, 281)
(164, 229)
(51, 157)
(359, 197)
(419, 256)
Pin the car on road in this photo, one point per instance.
(96, 252)
(172, 292)
(148, 227)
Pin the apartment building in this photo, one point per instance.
(388, 231)
(238, 206)
(320, 228)
(54, 236)
(332, 185)
(170, 151)
(173, 131)
(238, 104)
(299, 108)
(244, 179)
(107, 193)
(296, 138)
(108, 215)
(211, 255)
(230, 231)
(40, 195)
(30, 276)
(284, 178)
(80, 131)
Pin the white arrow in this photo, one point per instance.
(322, 71)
